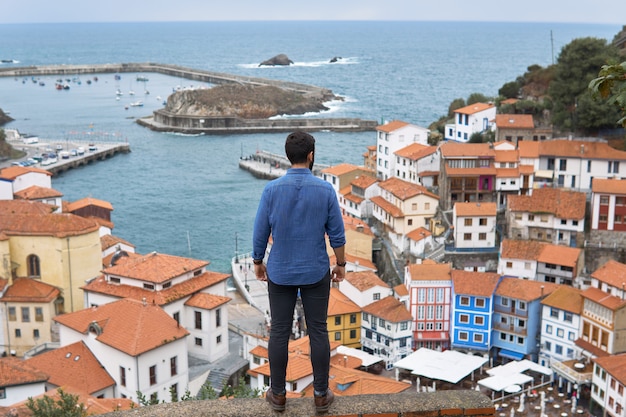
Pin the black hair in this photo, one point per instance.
(298, 146)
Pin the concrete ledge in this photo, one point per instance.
(407, 404)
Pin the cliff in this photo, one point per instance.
(246, 101)
(4, 118)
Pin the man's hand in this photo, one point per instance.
(260, 272)
(338, 273)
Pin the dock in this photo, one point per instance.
(268, 166)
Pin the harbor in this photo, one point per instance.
(268, 166)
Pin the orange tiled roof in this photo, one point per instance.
(430, 271)
(346, 361)
(401, 290)
(418, 234)
(565, 298)
(351, 197)
(514, 121)
(528, 149)
(363, 181)
(469, 150)
(24, 207)
(364, 280)
(482, 284)
(580, 149)
(560, 255)
(475, 209)
(507, 172)
(339, 170)
(12, 172)
(303, 345)
(404, 190)
(416, 151)
(391, 126)
(607, 300)
(89, 201)
(14, 371)
(161, 298)
(127, 325)
(509, 101)
(364, 262)
(386, 206)
(353, 223)
(106, 261)
(615, 365)
(3, 283)
(564, 204)
(108, 241)
(526, 169)
(58, 225)
(507, 156)
(156, 267)
(298, 367)
(522, 289)
(612, 273)
(35, 192)
(73, 365)
(260, 351)
(339, 303)
(27, 290)
(466, 172)
(389, 309)
(207, 301)
(474, 108)
(521, 249)
(610, 186)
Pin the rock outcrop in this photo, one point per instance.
(246, 101)
(4, 118)
(335, 59)
(280, 59)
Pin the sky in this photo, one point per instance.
(61, 11)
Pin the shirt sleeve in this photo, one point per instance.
(261, 232)
(334, 225)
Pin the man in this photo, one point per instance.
(298, 210)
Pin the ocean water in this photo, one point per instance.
(185, 195)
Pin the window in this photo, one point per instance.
(520, 340)
(18, 333)
(38, 314)
(463, 336)
(482, 236)
(353, 334)
(549, 328)
(36, 334)
(147, 286)
(218, 339)
(478, 337)
(558, 349)
(404, 325)
(122, 376)
(12, 314)
(548, 346)
(522, 305)
(440, 292)
(409, 222)
(567, 316)
(509, 264)
(504, 301)
(153, 376)
(352, 318)
(482, 221)
(464, 301)
(337, 320)
(337, 335)
(198, 319)
(366, 317)
(176, 317)
(174, 365)
(25, 314)
(376, 296)
(467, 236)
(32, 265)
(479, 320)
(464, 318)
(559, 332)
(218, 317)
(563, 165)
(468, 222)
(381, 323)
(198, 341)
(554, 313)
(571, 336)
(480, 302)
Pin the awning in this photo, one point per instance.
(544, 173)
(511, 355)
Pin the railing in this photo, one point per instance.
(40, 348)
(570, 373)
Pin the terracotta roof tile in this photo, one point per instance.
(475, 150)
(507, 156)
(127, 325)
(363, 262)
(565, 298)
(609, 186)
(14, 371)
(416, 151)
(346, 361)
(580, 149)
(352, 223)
(526, 169)
(58, 225)
(475, 209)
(404, 190)
(474, 108)
(156, 267)
(339, 303)
(514, 121)
(260, 351)
(521, 249)
(363, 181)
(108, 241)
(521, 289)
(106, 261)
(528, 149)
(560, 255)
(401, 290)
(35, 192)
(607, 300)
(427, 271)
(89, 201)
(364, 280)
(387, 207)
(612, 273)
(351, 197)
(418, 234)
(13, 172)
(207, 301)
(73, 365)
(507, 172)
(615, 365)
(564, 204)
(27, 290)
(162, 297)
(340, 169)
(391, 126)
(3, 283)
(482, 284)
(24, 207)
(389, 309)
(298, 367)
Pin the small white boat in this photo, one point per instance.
(138, 103)
(119, 92)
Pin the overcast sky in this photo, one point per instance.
(574, 11)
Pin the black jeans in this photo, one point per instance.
(282, 303)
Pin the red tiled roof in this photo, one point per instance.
(514, 121)
(35, 192)
(474, 108)
(108, 241)
(389, 309)
(482, 284)
(127, 325)
(596, 351)
(339, 303)
(58, 225)
(507, 172)
(416, 151)
(615, 365)
(352, 223)
(607, 300)
(580, 149)
(521, 249)
(430, 271)
(418, 234)
(106, 261)
(507, 156)
(475, 209)
(612, 273)
(386, 206)
(404, 190)
(391, 126)
(610, 186)
(156, 267)
(339, 170)
(560, 255)
(73, 365)
(528, 149)
(14, 372)
(260, 351)
(474, 150)
(363, 181)
(27, 290)
(401, 290)
(89, 201)
(207, 301)
(521, 289)
(565, 298)
(564, 204)
(24, 207)
(364, 280)
(12, 172)
(357, 260)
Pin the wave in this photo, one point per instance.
(332, 105)
(312, 64)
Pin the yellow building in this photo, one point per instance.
(59, 249)
(344, 320)
(28, 306)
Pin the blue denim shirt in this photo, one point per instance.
(298, 210)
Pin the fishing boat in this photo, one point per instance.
(137, 103)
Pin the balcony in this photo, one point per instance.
(407, 404)
(573, 370)
(511, 328)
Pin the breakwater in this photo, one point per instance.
(164, 121)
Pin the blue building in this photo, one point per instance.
(472, 308)
(517, 318)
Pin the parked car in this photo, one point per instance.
(73, 152)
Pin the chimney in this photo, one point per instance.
(143, 300)
(542, 291)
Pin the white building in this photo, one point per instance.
(607, 387)
(364, 288)
(474, 225)
(475, 118)
(421, 242)
(31, 382)
(355, 199)
(560, 326)
(391, 137)
(418, 163)
(18, 178)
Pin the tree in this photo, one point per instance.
(611, 85)
(66, 406)
(577, 64)
(456, 104)
(510, 89)
(478, 98)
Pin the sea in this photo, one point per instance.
(185, 195)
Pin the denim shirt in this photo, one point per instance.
(298, 210)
